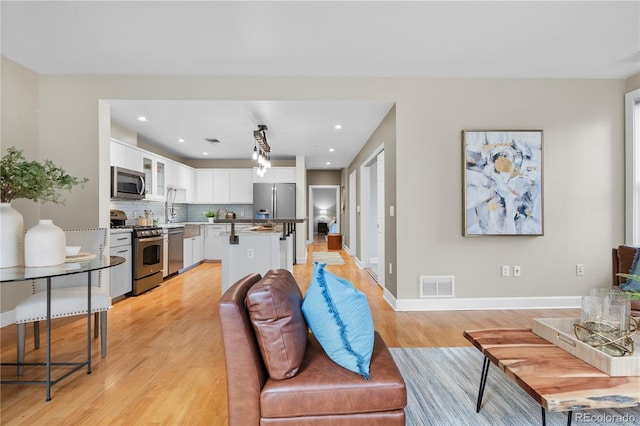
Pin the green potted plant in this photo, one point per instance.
(31, 180)
(209, 214)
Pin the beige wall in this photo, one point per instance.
(323, 177)
(385, 135)
(632, 83)
(583, 141)
(19, 128)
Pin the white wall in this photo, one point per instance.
(583, 142)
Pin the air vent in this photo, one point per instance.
(212, 140)
(436, 286)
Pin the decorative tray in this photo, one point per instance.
(559, 331)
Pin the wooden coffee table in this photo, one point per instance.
(554, 378)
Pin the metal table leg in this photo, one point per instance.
(48, 350)
(483, 381)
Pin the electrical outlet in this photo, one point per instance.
(516, 270)
(505, 271)
(250, 254)
(579, 269)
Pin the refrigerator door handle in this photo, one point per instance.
(275, 201)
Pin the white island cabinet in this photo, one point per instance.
(256, 252)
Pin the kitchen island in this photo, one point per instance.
(267, 245)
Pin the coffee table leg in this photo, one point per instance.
(544, 419)
(483, 381)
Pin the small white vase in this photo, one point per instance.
(11, 237)
(44, 245)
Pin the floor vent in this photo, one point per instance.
(436, 286)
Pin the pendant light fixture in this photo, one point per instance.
(261, 149)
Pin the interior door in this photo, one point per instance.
(380, 208)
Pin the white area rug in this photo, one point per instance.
(328, 257)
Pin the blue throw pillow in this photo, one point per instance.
(340, 319)
(631, 284)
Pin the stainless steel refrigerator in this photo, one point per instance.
(277, 199)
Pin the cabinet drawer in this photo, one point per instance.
(120, 239)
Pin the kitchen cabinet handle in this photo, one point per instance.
(123, 251)
(122, 239)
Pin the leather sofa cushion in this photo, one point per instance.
(281, 331)
(322, 387)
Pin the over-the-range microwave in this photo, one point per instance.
(127, 184)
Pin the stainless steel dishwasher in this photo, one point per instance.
(176, 249)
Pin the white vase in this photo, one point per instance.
(44, 245)
(11, 236)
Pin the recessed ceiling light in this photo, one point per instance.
(142, 118)
(328, 163)
(338, 126)
(331, 150)
(181, 140)
(205, 153)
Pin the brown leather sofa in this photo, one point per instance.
(621, 260)
(320, 393)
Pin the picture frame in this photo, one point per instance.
(503, 190)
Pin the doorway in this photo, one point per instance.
(324, 210)
(372, 215)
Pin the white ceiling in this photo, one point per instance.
(537, 39)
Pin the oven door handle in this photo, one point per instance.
(145, 240)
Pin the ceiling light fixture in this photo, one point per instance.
(181, 140)
(142, 118)
(338, 126)
(261, 149)
(331, 150)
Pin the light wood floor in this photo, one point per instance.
(165, 364)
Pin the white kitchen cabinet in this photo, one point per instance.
(191, 185)
(176, 175)
(126, 156)
(121, 276)
(213, 241)
(241, 186)
(204, 186)
(276, 175)
(193, 249)
(154, 170)
(221, 187)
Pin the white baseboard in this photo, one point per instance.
(481, 303)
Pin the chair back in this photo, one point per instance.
(91, 240)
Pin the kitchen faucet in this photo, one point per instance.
(169, 210)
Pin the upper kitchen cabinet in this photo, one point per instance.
(204, 186)
(276, 175)
(176, 175)
(126, 156)
(221, 187)
(154, 170)
(191, 192)
(241, 186)
(224, 186)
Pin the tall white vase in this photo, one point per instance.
(11, 236)
(44, 245)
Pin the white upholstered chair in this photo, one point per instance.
(68, 294)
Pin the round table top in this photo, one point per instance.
(71, 266)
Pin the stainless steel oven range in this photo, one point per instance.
(147, 250)
(147, 258)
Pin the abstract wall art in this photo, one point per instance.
(502, 182)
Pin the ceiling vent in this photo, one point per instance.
(436, 286)
(212, 140)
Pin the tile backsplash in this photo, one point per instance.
(183, 212)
